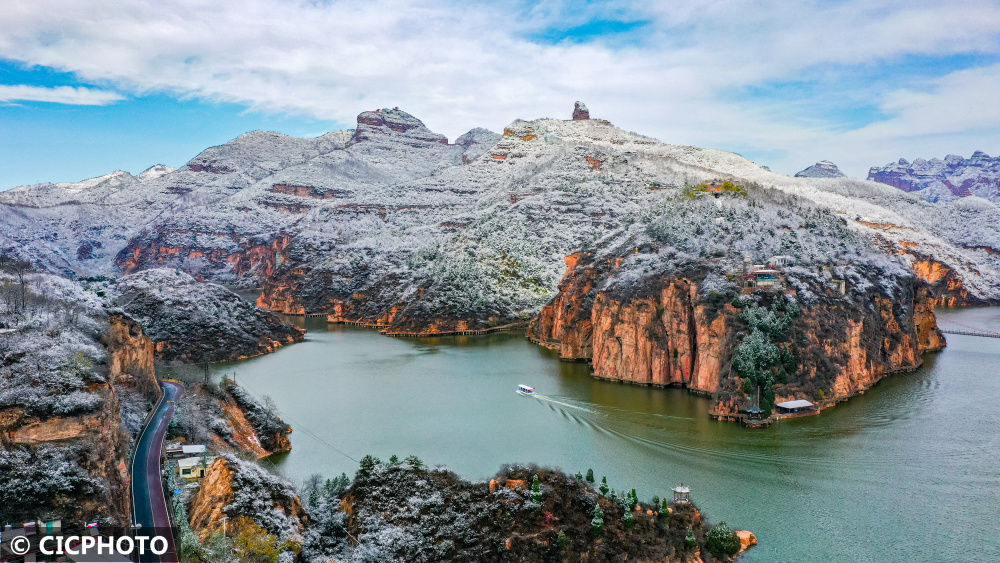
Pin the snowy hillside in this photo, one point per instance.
(390, 224)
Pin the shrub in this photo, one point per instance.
(562, 540)
(722, 541)
(689, 538)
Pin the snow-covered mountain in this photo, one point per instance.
(943, 179)
(389, 222)
(822, 169)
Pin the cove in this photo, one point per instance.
(906, 472)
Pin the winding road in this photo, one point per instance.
(149, 504)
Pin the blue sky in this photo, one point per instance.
(90, 87)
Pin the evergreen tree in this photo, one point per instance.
(367, 465)
(536, 490)
(597, 523)
(414, 462)
(689, 538)
(722, 541)
(590, 475)
(628, 519)
(563, 540)
(604, 485)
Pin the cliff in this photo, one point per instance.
(945, 285)
(80, 441)
(668, 331)
(233, 488)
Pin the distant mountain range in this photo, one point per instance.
(943, 179)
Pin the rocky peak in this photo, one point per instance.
(580, 111)
(943, 179)
(822, 169)
(386, 122)
(154, 172)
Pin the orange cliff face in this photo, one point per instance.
(241, 257)
(130, 364)
(946, 286)
(665, 334)
(216, 494)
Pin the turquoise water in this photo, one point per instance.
(910, 471)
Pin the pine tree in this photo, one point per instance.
(604, 485)
(632, 498)
(628, 519)
(597, 524)
(536, 490)
(414, 462)
(590, 475)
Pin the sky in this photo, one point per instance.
(90, 86)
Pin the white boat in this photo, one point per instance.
(525, 390)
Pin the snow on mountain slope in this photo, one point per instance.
(389, 222)
(822, 169)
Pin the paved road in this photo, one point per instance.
(149, 508)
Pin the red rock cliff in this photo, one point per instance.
(668, 335)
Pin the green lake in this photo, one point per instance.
(909, 471)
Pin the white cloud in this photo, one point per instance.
(78, 96)
(465, 64)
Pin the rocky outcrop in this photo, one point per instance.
(215, 255)
(232, 488)
(943, 179)
(665, 333)
(191, 321)
(747, 539)
(374, 124)
(425, 510)
(580, 111)
(946, 288)
(822, 169)
(214, 494)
